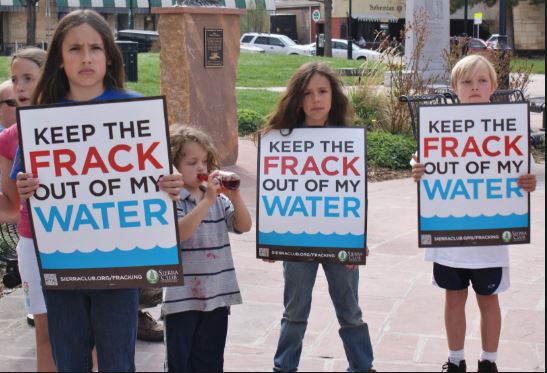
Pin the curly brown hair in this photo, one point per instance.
(181, 135)
(289, 113)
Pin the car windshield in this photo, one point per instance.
(287, 40)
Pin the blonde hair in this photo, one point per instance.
(181, 135)
(468, 66)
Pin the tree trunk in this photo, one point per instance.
(31, 23)
(328, 28)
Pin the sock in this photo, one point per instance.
(455, 356)
(490, 356)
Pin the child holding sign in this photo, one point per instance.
(83, 64)
(196, 314)
(25, 71)
(487, 268)
(315, 98)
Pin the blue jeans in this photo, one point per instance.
(343, 286)
(81, 319)
(195, 340)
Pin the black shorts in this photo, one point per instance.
(485, 281)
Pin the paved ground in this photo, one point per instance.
(403, 310)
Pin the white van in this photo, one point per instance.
(274, 43)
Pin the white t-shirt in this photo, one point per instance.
(472, 257)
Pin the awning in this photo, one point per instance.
(268, 5)
(142, 6)
(375, 17)
(10, 5)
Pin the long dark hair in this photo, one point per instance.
(289, 112)
(53, 84)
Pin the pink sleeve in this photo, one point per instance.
(9, 142)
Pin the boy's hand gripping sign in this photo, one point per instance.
(98, 216)
(312, 195)
(473, 156)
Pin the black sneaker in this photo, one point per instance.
(149, 329)
(487, 366)
(30, 319)
(449, 367)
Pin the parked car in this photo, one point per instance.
(476, 46)
(467, 45)
(144, 38)
(305, 50)
(245, 48)
(496, 41)
(274, 43)
(340, 50)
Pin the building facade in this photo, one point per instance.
(120, 14)
(373, 17)
(306, 27)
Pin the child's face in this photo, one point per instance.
(317, 101)
(193, 163)
(24, 76)
(84, 61)
(475, 88)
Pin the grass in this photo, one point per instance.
(269, 70)
(259, 100)
(538, 65)
(254, 70)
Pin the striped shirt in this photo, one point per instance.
(209, 274)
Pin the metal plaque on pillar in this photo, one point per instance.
(214, 50)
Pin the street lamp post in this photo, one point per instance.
(465, 16)
(350, 41)
(503, 44)
(131, 22)
(30, 6)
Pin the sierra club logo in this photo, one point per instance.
(342, 256)
(506, 236)
(152, 276)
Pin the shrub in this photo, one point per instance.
(367, 106)
(388, 150)
(248, 121)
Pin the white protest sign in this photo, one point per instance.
(312, 195)
(473, 156)
(99, 218)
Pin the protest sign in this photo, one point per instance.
(312, 195)
(473, 156)
(98, 217)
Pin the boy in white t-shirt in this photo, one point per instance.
(487, 269)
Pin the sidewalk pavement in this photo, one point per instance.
(403, 310)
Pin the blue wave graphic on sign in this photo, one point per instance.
(117, 258)
(346, 241)
(452, 223)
